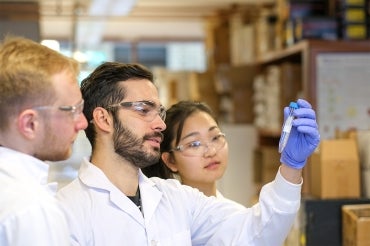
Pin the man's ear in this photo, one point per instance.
(169, 161)
(102, 119)
(28, 122)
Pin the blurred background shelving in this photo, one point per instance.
(247, 59)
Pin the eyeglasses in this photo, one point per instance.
(199, 148)
(146, 109)
(74, 110)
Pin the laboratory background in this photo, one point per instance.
(247, 59)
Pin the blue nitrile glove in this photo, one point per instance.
(304, 136)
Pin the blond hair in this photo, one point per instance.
(26, 71)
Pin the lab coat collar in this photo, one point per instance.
(150, 196)
(95, 178)
(23, 167)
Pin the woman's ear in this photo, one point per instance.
(169, 161)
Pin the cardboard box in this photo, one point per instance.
(335, 170)
(356, 225)
(321, 220)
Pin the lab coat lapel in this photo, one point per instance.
(94, 177)
(126, 205)
(150, 196)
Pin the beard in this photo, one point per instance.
(51, 147)
(132, 148)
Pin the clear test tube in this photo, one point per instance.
(287, 127)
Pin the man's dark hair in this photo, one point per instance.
(101, 88)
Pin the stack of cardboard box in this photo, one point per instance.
(334, 170)
(356, 225)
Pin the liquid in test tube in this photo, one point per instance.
(287, 127)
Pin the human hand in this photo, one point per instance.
(304, 136)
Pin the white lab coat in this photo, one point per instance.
(219, 196)
(29, 212)
(174, 214)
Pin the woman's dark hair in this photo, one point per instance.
(175, 119)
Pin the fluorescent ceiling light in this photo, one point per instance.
(52, 44)
(111, 7)
(89, 32)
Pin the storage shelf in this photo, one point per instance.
(275, 56)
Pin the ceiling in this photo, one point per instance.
(88, 22)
